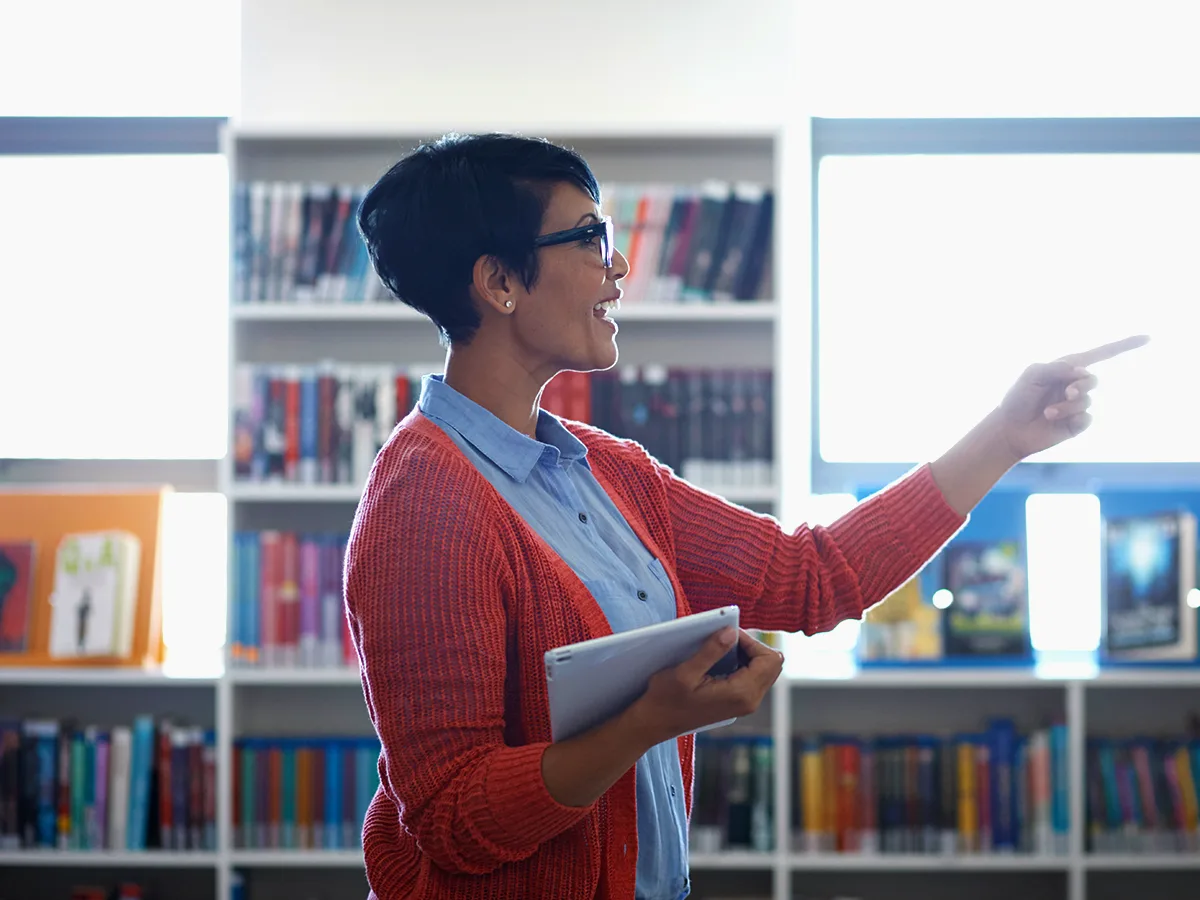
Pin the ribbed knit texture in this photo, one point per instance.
(453, 600)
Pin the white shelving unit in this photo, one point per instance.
(735, 334)
(869, 702)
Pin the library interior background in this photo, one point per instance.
(850, 227)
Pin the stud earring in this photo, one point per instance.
(508, 304)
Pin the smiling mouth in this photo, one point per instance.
(604, 307)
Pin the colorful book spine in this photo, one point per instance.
(1142, 795)
(972, 793)
(287, 608)
(733, 805)
(148, 786)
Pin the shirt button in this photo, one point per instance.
(583, 518)
(642, 595)
(672, 790)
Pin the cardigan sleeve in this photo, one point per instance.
(425, 605)
(811, 579)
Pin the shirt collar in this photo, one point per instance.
(512, 451)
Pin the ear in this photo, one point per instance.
(494, 284)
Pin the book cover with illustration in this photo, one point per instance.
(988, 616)
(904, 627)
(1149, 569)
(95, 594)
(16, 592)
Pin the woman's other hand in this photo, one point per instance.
(685, 697)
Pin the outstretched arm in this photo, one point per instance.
(815, 577)
(812, 578)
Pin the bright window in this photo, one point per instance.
(195, 548)
(114, 306)
(1063, 553)
(942, 276)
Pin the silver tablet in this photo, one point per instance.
(591, 681)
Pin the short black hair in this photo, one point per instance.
(453, 200)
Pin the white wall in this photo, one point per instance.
(473, 64)
(1000, 58)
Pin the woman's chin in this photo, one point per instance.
(596, 357)
(607, 355)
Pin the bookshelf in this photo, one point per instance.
(283, 701)
(286, 702)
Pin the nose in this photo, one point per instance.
(620, 267)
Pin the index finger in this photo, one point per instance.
(1106, 351)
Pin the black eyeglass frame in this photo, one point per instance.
(602, 229)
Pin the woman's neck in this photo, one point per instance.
(497, 382)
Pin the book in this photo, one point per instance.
(94, 597)
(16, 590)
(904, 626)
(988, 614)
(1149, 568)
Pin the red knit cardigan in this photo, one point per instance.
(452, 600)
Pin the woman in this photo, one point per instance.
(490, 532)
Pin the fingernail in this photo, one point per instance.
(1051, 412)
(1072, 392)
(728, 636)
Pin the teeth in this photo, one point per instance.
(606, 305)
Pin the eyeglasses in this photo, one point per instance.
(602, 229)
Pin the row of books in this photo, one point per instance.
(152, 785)
(69, 787)
(713, 426)
(320, 424)
(302, 793)
(997, 791)
(981, 610)
(324, 424)
(1142, 795)
(297, 242)
(286, 606)
(734, 801)
(1148, 599)
(693, 243)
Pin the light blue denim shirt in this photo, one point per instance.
(549, 483)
